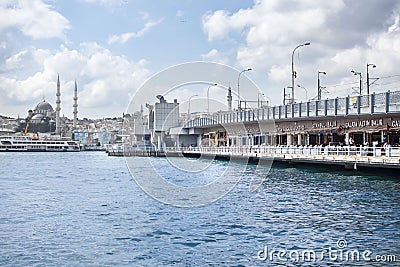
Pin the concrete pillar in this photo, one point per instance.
(299, 139)
(289, 139)
(198, 140)
(346, 138)
(159, 142)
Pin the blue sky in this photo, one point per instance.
(112, 46)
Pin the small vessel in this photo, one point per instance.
(22, 143)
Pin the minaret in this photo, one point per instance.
(229, 98)
(75, 106)
(58, 107)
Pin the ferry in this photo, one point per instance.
(15, 143)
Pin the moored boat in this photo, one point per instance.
(17, 143)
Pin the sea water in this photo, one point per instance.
(85, 209)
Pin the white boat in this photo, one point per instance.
(18, 143)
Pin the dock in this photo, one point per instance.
(349, 158)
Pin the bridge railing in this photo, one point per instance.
(361, 151)
(351, 105)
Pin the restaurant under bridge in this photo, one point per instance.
(353, 120)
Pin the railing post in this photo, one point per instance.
(285, 106)
(358, 104)
(279, 112)
(347, 105)
(316, 108)
(372, 102)
(300, 110)
(308, 109)
(326, 107)
(292, 107)
(387, 101)
(336, 105)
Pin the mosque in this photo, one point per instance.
(44, 119)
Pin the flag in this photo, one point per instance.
(340, 129)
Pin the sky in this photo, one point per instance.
(111, 47)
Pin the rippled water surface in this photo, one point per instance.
(84, 209)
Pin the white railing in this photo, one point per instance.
(361, 151)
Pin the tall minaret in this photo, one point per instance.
(229, 98)
(58, 107)
(75, 106)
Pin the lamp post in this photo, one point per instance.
(304, 90)
(293, 72)
(258, 99)
(319, 92)
(249, 69)
(368, 65)
(208, 97)
(189, 104)
(358, 73)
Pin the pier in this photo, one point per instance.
(346, 157)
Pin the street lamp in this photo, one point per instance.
(319, 92)
(293, 72)
(189, 103)
(208, 97)
(258, 99)
(368, 65)
(249, 69)
(304, 90)
(358, 73)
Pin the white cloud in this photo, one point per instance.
(15, 61)
(344, 35)
(125, 37)
(215, 56)
(33, 18)
(107, 2)
(106, 81)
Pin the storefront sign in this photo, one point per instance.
(395, 124)
(334, 125)
(364, 123)
(324, 124)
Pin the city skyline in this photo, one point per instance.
(111, 47)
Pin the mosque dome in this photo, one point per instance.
(43, 106)
(38, 117)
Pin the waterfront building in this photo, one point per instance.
(8, 125)
(166, 116)
(140, 129)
